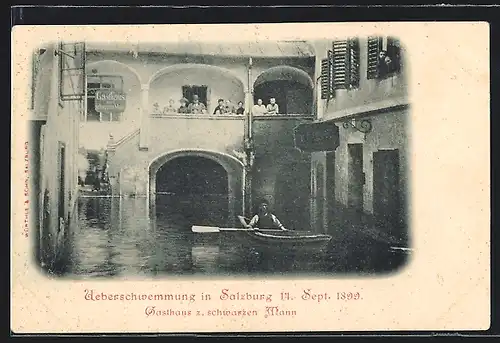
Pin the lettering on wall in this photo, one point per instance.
(110, 100)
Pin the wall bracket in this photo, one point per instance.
(361, 125)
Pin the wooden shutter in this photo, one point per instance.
(374, 48)
(331, 74)
(354, 63)
(325, 78)
(327, 74)
(340, 64)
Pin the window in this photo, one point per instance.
(97, 82)
(384, 57)
(201, 91)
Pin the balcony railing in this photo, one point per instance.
(229, 116)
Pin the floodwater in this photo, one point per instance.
(128, 237)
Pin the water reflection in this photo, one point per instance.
(125, 237)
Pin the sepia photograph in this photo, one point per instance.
(206, 157)
(291, 177)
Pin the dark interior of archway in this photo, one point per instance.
(194, 188)
(292, 97)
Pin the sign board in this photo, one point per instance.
(110, 100)
(313, 137)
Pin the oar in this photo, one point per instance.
(215, 229)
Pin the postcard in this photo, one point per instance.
(250, 178)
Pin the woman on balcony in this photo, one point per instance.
(170, 108)
(240, 110)
(259, 108)
(184, 108)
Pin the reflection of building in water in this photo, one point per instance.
(55, 109)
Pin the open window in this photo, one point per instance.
(202, 91)
(100, 84)
(384, 57)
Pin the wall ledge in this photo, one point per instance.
(367, 110)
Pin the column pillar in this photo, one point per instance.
(144, 131)
(248, 142)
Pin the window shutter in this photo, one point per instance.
(340, 64)
(354, 63)
(331, 74)
(374, 48)
(327, 74)
(325, 78)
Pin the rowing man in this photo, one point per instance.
(265, 219)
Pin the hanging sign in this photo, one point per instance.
(110, 100)
(323, 136)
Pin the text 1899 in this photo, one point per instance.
(348, 296)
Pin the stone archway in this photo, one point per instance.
(209, 82)
(290, 86)
(233, 168)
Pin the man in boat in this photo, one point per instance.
(265, 219)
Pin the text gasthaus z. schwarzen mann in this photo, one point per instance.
(158, 310)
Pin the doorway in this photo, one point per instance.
(356, 176)
(330, 186)
(195, 188)
(320, 197)
(62, 188)
(386, 190)
(293, 188)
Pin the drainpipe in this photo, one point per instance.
(248, 142)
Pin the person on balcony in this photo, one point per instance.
(240, 110)
(265, 219)
(156, 109)
(184, 108)
(220, 109)
(170, 108)
(272, 107)
(259, 108)
(197, 107)
(229, 107)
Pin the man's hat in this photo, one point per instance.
(195, 96)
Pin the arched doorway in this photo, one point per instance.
(291, 87)
(194, 186)
(201, 187)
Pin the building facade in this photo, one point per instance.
(55, 108)
(361, 176)
(145, 132)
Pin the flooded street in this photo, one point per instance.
(120, 237)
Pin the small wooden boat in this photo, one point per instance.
(283, 240)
